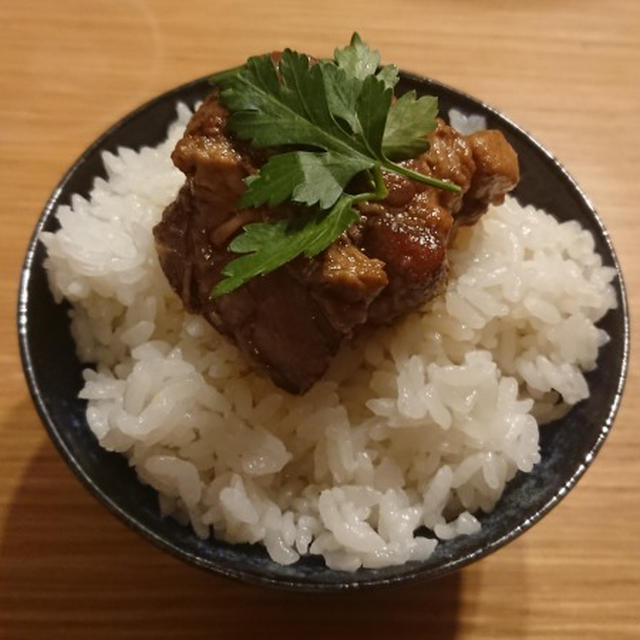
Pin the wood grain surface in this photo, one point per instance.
(566, 70)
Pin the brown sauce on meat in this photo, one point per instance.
(291, 322)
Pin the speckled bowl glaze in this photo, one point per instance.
(54, 376)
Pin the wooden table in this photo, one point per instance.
(567, 70)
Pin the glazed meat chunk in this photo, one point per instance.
(289, 323)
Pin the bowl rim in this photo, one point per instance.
(418, 573)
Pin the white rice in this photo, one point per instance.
(466, 123)
(420, 424)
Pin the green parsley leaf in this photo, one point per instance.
(272, 113)
(304, 177)
(410, 119)
(342, 92)
(372, 109)
(333, 120)
(389, 75)
(357, 60)
(269, 245)
(257, 100)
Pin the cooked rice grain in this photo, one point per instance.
(420, 424)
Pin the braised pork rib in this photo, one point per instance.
(292, 321)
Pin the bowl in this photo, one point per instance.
(54, 375)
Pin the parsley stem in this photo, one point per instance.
(421, 177)
(381, 188)
(381, 191)
(371, 179)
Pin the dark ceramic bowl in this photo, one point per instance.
(54, 376)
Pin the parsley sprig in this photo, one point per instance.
(333, 120)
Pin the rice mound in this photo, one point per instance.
(421, 424)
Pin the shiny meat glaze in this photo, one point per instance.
(291, 322)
